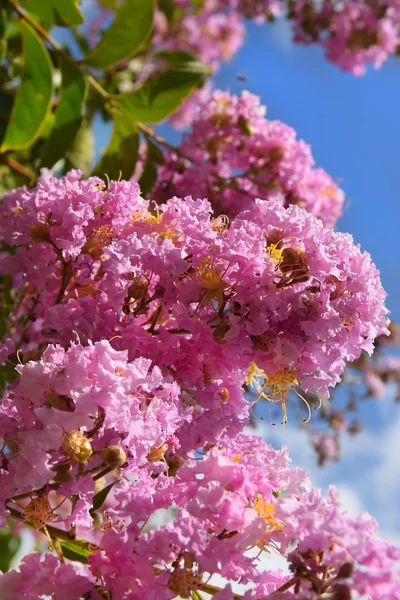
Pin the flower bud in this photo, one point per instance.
(174, 464)
(139, 286)
(77, 446)
(113, 456)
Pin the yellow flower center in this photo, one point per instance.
(272, 387)
(266, 511)
(210, 279)
(77, 446)
(237, 458)
(275, 254)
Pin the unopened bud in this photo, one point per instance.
(345, 571)
(113, 456)
(77, 446)
(276, 153)
(174, 464)
(139, 286)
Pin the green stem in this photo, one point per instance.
(213, 589)
(45, 36)
(39, 29)
(54, 532)
(148, 131)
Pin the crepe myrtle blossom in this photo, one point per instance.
(353, 34)
(240, 495)
(95, 409)
(233, 154)
(273, 299)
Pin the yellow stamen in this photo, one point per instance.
(275, 254)
(210, 278)
(39, 512)
(266, 511)
(273, 387)
(237, 458)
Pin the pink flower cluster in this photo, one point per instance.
(233, 154)
(133, 331)
(85, 423)
(212, 36)
(353, 34)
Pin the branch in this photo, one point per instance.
(16, 166)
(47, 37)
(42, 32)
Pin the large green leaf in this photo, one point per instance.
(100, 497)
(33, 98)
(154, 156)
(81, 154)
(3, 41)
(9, 546)
(54, 12)
(121, 155)
(161, 95)
(75, 552)
(126, 36)
(68, 116)
(169, 8)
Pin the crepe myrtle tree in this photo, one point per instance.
(151, 301)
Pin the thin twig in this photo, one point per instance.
(42, 32)
(213, 589)
(160, 140)
(47, 37)
(16, 166)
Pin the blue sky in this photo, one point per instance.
(353, 126)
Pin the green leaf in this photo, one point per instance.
(154, 157)
(9, 546)
(168, 7)
(161, 95)
(8, 373)
(68, 115)
(184, 62)
(33, 98)
(121, 155)
(64, 13)
(110, 4)
(6, 301)
(3, 22)
(72, 551)
(82, 152)
(126, 36)
(3, 41)
(100, 497)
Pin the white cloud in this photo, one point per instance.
(367, 474)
